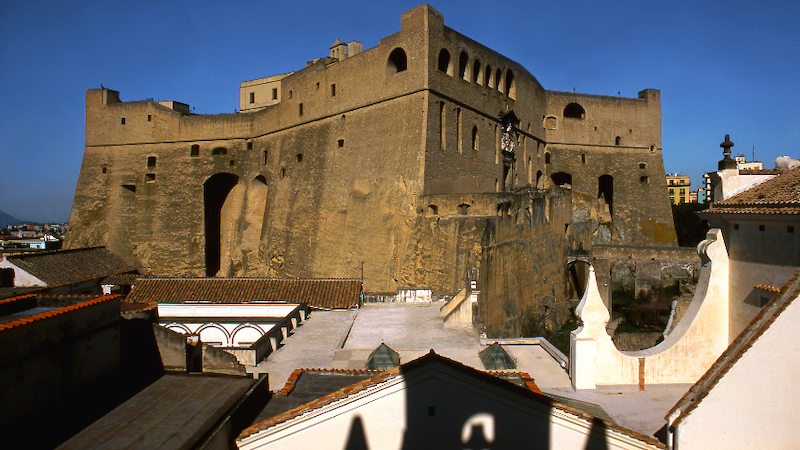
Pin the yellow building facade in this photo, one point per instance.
(679, 188)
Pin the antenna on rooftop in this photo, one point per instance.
(754, 153)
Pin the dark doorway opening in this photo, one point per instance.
(215, 192)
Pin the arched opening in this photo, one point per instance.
(561, 179)
(547, 157)
(463, 209)
(476, 72)
(578, 276)
(151, 161)
(487, 76)
(605, 190)
(397, 61)
(215, 192)
(498, 77)
(462, 66)
(539, 180)
(574, 111)
(444, 61)
(511, 89)
(617, 140)
(214, 336)
(219, 151)
(246, 335)
(433, 210)
(474, 139)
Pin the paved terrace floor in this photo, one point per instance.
(344, 340)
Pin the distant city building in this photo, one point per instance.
(679, 188)
(754, 173)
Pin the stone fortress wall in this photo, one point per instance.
(389, 161)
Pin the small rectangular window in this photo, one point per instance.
(283, 172)
(300, 110)
(290, 94)
(274, 93)
(105, 170)
(195, 150)
(761, 228)
(340, 143)
(736, 226)
(790, 229)
(149, 118)
(333, 90)
(265, 156)
(150, 178)
(252, 97)
(122, 121)
(249, 145)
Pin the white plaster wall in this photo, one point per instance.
(227, 333)
(757, 403)
(768, 257)
(682, 357)
(278, 311)
(22, 278)
(388, 410)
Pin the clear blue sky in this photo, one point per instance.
(722, 67)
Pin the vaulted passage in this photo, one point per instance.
(216, 191)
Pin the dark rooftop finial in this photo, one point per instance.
(726, 162)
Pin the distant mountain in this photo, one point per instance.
(6, 220)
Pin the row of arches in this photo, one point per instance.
(477, 73)
(218, 335)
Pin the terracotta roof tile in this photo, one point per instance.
(488, 377)
(54, 312)
(319, 293)
(778, 195)
(64, 267)
(788, 293)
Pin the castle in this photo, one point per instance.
(393, 163)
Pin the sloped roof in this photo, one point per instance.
(31, 313)
(789, 292)
(65, 267)
(418, 363)
(320, 293)
(778, 195)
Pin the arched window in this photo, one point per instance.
(539, 180)
(444, 61)
(487, 76)
(462, 66)
(219, 151)
(474, 141)
(476, 72)
(575, 111)
(547, 158)
(511, 89)
(561, 179)
(605, 190)
(151, 161)
(433, 210)
(397, 61)
(498, 77)
(617, 140)
(463, 209)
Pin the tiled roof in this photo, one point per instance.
(121, 279)
(64, 267)
(788, 293)
(319, 293)
(51, 313)
(760, 171)
(487, 377)
(779, 195)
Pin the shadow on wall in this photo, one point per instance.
(442, 416)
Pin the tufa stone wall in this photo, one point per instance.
(339, 173)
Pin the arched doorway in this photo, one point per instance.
(215, 192)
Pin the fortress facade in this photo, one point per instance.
(401, 163)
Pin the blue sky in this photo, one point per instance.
(722, 67)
